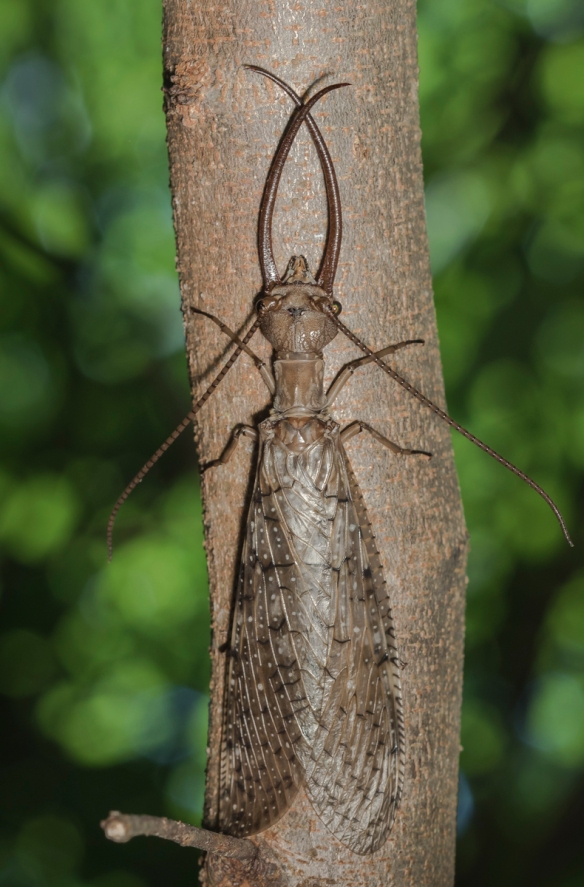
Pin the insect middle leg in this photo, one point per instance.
(238, 431)
(357, 427)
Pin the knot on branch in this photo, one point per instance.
(184, 87)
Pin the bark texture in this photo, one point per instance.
(224, 124)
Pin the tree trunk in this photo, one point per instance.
(224, 124)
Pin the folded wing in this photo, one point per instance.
(313, 694)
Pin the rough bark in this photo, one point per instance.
(224, 124)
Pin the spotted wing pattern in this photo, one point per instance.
(312, 694)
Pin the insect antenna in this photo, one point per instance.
(330, 258)
(177, 431)
(268, 265)
(446, 418)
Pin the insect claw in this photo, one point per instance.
(420, 453)
(205, 467)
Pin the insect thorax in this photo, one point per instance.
(299, 386)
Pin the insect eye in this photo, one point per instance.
(336, 308)
(260, 305)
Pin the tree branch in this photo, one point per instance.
(122, 827)
(232, 862)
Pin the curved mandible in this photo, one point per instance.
(269, 271)
(330, 258)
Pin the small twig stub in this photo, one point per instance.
(231, 862)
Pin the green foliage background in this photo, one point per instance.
(104, 673)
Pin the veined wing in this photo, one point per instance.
(312, 692)
(357, 779)
(260, 772)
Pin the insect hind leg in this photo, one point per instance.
(357, 427)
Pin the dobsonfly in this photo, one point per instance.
(312, 692)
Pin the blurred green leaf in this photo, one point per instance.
(50, 847)
(38, 517)
(185, 791)
(556, 718)
(28, 392)
(560, 342)
(150, 583)
(121, 80)
(89, 641)
(16, 19)
(482, 738)
(556, 19)
(562, 80)
(539, 786)
(528, 524)
(565, 620)
(556, 253)
(186, 785)
(60, 215)
(457, 207)
(123, 715)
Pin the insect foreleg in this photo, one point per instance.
(348, 370)
(238, 431)
(241, 346)
(261, 366)
(357, 427)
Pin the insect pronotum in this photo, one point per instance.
(312, 694)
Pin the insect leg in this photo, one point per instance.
(238, 431)
(261, 366)
(357, 427)
(348, 370)
(178, 430)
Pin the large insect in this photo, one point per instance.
(312, 691)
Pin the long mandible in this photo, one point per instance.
(330, 258)
(266, 255)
